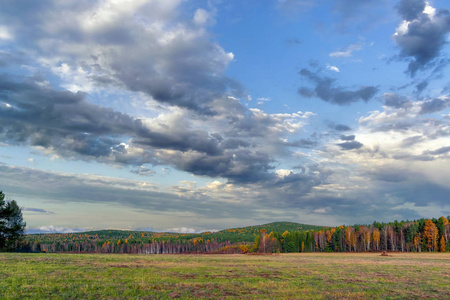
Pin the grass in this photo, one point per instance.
(291, 276)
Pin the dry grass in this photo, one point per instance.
(292, 276)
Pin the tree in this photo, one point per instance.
(431, 234)
(12, 225)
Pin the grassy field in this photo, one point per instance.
(291, 276)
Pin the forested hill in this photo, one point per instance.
(418, 235)
(273, 227)
(100, 237)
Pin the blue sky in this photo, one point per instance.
(202, 115)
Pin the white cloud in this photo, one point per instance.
(333, 68)
(348, 51)
(182, 230)
(5, 33)
(202, 17)
(54, 229)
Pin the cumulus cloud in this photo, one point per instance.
(421, 35)
(326, 90)
(143, 47)
(434, 105)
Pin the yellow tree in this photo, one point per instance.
(417, 242)
(376, 239)
(431, 235)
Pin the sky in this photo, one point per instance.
(187, 116)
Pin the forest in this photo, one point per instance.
(431, 235)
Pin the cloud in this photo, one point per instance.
(325, 90)
(395, 100)
(434, 105)
(143, 171)
(37, 210)
(347, 137)
(422, 34)
(351, 145)
(143, 47)
(333, 68)
(348, 51)
(182, 230)
(340, 127)
(54, 229)
(186, 203)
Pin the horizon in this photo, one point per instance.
(201, 115)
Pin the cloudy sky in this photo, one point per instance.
(199, 115)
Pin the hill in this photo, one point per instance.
(232, 235)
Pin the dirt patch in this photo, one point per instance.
(174, 295)
(125, 266)
(188, 276)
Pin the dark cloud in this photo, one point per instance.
(421, 86)
(66, 188)
(303, 143)
(390, 174)
(410, 9)
(340, 127)
(423, 37)
(325, 90)
(175, 63)
(347, 137)
(38, 210)
(350, 145)
(433, 106)
(408, 142)
(395, 100)
(440, 151)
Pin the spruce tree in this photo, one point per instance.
(12, 226)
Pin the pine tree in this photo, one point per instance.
(11, 224)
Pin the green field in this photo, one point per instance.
(292, 276)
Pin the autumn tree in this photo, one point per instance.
(12, 226)
(376, 239)
(442, 242)
(430, 235)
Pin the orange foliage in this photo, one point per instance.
(442, 248)
(431, 235)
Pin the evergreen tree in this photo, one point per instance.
(12, 225)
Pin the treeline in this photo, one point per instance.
(233, 240)
(117, 241)
(405, 236)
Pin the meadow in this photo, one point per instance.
(291, 276)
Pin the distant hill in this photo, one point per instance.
(275, 227)
(233, 235)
